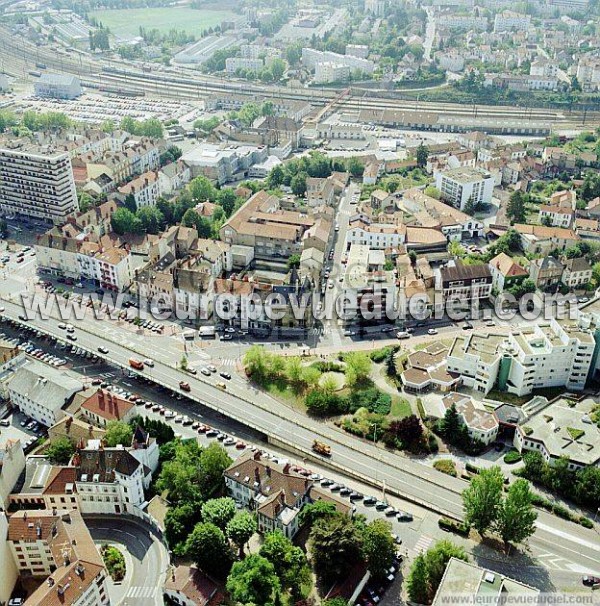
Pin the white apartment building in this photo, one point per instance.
(232, 64)
(145, 189)
(463, 22)
(310, 58)
(40, 391)
(328, 72)
(460, 185)
(588, 73)
(545, 355)
(114, 267)
(37, 183)
(173, 177)
(481, 424)
(375, 7)
(377, 236)
(357, 50)
(450, 61)
(545, 68)
(109, 480)
(556, 216)
(511, 21)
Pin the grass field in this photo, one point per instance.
(126, 23)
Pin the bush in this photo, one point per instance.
(433, 443)
(373, 399)
(325, 366)
(561, 512)
(446, 466)
(472, 468)
(421, 409)
(381, 355)
(586, 522)
(114, 561)
(459, 528)
(512, 457)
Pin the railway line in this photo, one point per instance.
(115, 78)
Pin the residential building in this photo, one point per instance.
(232, 64)
(505, 272)
(426, 370)
(463, 185)
(556, 216)
(319, 192)
(172, 177)
(11, 357)
(58, 86)
(104, 406)
(56, 544)
(189, 586)
(40, 391)
(588, 72)
(539, 239)
(563, 428)
(464, 283)
(145, 189)
(481, 424)
(546, 272)
(273, 233)
(328, 72)
(451, 61)
(376, 236)
(311, 58)
(37, 182)
(12, 464)
(544, 355)
(357, 50)
(511, 21)
(4, 83)
(110, 480)
(10, 574)
(577, 272)
(75, 430)
(476, 584)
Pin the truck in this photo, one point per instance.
(137, 364)
(321, 448)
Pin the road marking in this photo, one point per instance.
(423, 543)
(570, 537)
(141, 592)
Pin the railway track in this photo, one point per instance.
(199, 86)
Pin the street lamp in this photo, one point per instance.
(375, 425)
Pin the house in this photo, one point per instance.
(546, 272)
(577, 272)
(541, 239)
(41, 392)
(426, 370)
(481, 424)
(173, 177)
(104, 406)
(75, 430)
(505, 272)
(274, 491)
(563, 428)
(12, 464)
(145, 189)
(189, 586)
(319, 192)
(11, 357)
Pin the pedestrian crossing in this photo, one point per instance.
(423, 543)
(228, 361)
(141, 592)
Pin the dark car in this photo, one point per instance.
(370, 501)
(590, 581)
(225, 375)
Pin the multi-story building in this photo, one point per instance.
(104, 406)
(172, 177)
(58, 86)
(511, 21)
(588, 73)
(561, 429)
(37, 182)
(539, 239)
(376, 236)
(145, 189)
(464, 283)
(461, 185)
(57, 545)
(40, 391)
(577, 272)
(232, 64)
(545, 355)
(481, 424)
(546, 272)
(311, 57)
(12, 463)
(10, 574)
(328, 72)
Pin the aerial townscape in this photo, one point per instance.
(299, 302)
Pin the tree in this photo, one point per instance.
(241, 528)
(253, 581)
(276, 177)
(255, 362)
(437, 558)
(470, 206)
(219, 511)
(418, 581)
(118, 432)
(227, 199)
(335, 546)
(152, 219)
(289, 561)
(456, 249)
(293, 261)
(451, 423)
(192, 219)
(358, 367)
(60, 451)
(123, 221)
(178, 522)
(516, 515)
(587, 486)
(482, 499)
(298, 184)
(433, 192)
(277, 69)
(378, 547)
(422, 155)
(354, 166)
(202, 189)
(404, 433)
(515, 209)
(207, 547)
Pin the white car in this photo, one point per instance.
(149, 362)
(432, 331)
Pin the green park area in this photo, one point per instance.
(126, 23)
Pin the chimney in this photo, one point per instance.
(256, 475)
(282, 497)
(257, 455)
(286, 468)
(268, 471)
(101, 399)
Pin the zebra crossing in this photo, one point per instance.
(228, 361)
(423, 543)
(141, 592)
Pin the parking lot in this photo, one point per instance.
(16, 426)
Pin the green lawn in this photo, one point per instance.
(400, 408)
(125, 23)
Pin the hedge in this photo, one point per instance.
(512, 457)
(472, 468)
(460, 528)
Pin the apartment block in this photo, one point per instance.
(145, 189)
(464, 282)
(545, 355)
(461, 185)
(38, 183)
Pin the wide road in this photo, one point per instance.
(292, 430)
(146, 558)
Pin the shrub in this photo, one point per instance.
(512, 457)
(446, 466)
(433, 443)
(421, 409)
(472, 468)
(459, 528)
(381, 355)
(586, 522)
(326, 366)
(561, 512)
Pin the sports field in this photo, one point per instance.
(125, 23)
